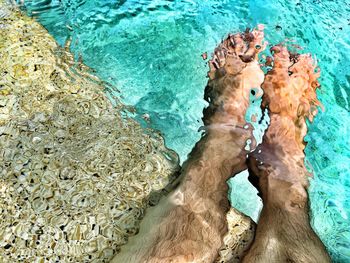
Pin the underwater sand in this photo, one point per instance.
(62, 146)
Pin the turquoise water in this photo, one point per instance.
(151, 51)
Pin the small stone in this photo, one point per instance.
(36, 140)
(7, 246)
(146, 117)
(3, 102)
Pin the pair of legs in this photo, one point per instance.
(189, 224)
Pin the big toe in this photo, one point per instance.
(255, 43)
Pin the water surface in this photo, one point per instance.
(151, 51)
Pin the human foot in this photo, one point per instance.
(189, 224)
(277, 166)
(234, 71)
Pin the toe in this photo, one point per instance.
(239, 45)
(281, 57)
(255, 44)
(220, 57)
(305, 80)
(277, 80)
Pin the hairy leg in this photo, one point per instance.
(189, 224)
(277, 166)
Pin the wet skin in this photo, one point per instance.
(277, 168)
(189, 224)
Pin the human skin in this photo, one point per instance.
(189, 224)
(277, 168)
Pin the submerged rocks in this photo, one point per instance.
(240, 235)
(75, 176)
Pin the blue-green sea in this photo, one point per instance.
(151, 51)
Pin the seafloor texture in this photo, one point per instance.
(151, 50)
(76, 173)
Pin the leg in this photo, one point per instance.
(284, 233)
(189, 224)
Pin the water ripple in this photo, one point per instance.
(151, 51)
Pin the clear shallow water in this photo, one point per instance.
(151, 51)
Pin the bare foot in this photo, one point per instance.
(277, 166)
(189, 224)
(234, 71)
